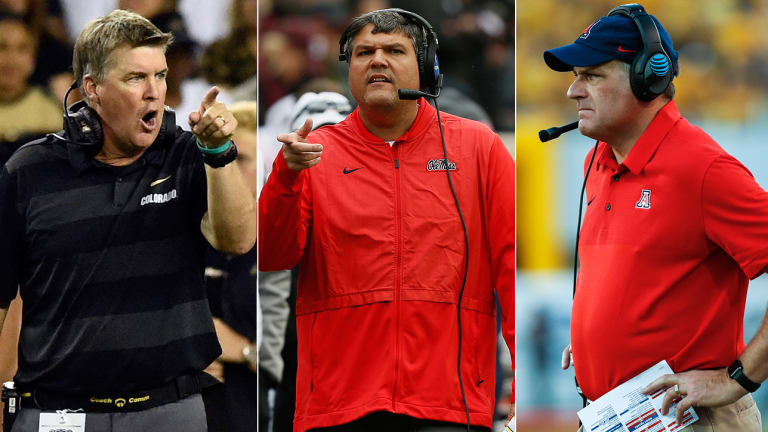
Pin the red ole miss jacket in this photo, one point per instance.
(381, 252)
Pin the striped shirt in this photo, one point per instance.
(109, 261)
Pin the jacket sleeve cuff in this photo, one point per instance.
(286, 176)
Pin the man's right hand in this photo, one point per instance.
(299, 154)
(567, 360)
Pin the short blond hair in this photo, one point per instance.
(102, 36)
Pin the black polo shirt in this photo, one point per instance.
(110, 264)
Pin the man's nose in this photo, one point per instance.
(576, 90)
(379, 59)
(152, 91)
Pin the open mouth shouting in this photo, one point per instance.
(150, 120)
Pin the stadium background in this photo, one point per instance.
(723, 46)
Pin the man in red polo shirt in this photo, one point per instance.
(674, 230)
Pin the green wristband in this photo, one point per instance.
(214, 151)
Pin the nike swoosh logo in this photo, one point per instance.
(158, 181)
(590, 201)
(346, 171)
(625, 50)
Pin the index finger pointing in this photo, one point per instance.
(306, 128)
(209, 97)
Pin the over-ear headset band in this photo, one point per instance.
(649, 33)
(417, 19)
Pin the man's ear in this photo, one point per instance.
(90, 89)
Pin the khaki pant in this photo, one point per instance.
(740, 416)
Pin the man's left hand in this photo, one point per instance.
(696, 388)
(213, 123)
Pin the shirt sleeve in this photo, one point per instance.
(735, 211)
(501, 226)
(284, 217)
(10, 230)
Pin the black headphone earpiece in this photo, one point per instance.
(426, 54)
(82, 124)
(652, 70)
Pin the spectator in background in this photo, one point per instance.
(231, 62)
(26, 110)
(54, 50)
(286, 65)
(232, 294)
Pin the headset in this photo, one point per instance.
(651, 70)
(82, 124)
(431, 81)
(426, 53)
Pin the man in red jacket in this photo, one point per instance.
(381, 247)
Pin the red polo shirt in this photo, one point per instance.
(670, 238)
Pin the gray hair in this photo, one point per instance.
(384, 21)
(100, 37)
(669, 92)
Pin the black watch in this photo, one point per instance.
(220, 160)
(736, 372)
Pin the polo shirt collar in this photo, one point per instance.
(646, 146)
(81, 156)
(424, 118)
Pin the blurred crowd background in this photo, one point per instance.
(300, 43)
(722, 87)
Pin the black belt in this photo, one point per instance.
(179, 388)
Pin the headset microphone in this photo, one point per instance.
(554, 132)
(411, 94)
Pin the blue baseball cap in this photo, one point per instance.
(610, 37)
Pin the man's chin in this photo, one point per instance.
(587, 130)
(381, 100)
(144, 140)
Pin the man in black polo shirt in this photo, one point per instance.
(104, 232)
